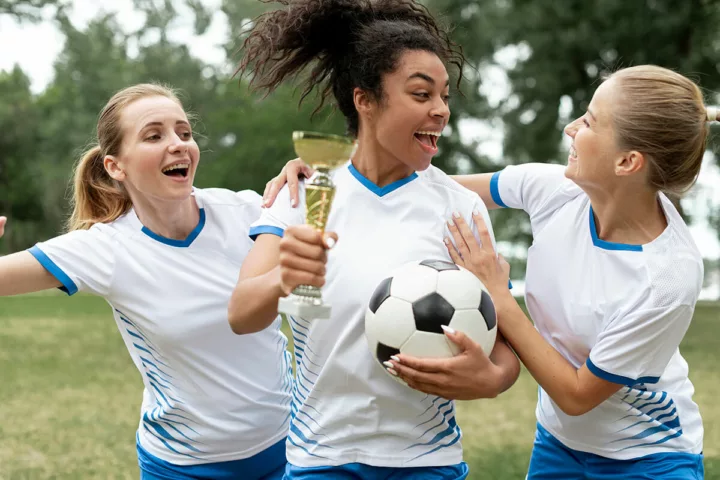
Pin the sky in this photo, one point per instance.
(35, 46)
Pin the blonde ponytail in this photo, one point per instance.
(97, 198)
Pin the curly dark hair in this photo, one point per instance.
(352, 43)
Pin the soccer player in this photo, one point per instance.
(166, 258)
(383, 61)
(613, 277)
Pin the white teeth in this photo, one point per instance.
(573, 152)
(176, 167)
(436, 134)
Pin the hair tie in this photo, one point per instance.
(712, 113)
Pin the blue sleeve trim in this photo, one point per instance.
(611, 377)
(495, 190)
(260, 229)
(69, 286)
(509, 285)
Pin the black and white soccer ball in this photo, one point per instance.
(407, 310)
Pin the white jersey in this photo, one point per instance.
(346, 409)
(620, 309)
(210, 395)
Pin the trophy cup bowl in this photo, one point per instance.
(323, 152)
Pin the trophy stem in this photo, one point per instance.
(306, 300)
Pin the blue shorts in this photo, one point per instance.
(552, 460)
(266, 465)
(359, 471)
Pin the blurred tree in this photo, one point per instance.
(30, 10)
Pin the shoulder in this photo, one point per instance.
(435, 179)
(674, 263)
(225, 197)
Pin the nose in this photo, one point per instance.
(440, 109)
(177, 145)
(571, 128)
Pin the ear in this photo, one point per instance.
(113, 168)
(363, 103)
(631, 162)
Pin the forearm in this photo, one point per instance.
(254, 302)
(508, 365)
(552, 371)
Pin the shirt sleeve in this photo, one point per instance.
(637, 347)
(281, 214)
(82, 260)
(528, 187)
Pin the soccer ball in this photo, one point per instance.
(407, 310)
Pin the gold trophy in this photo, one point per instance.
(323, 152)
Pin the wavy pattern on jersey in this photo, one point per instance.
(168, 422)
(652, 419)
(439, 430)
(285, 383)
(304, 416)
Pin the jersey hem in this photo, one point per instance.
(374, 460)
(611, 377)
(223, 457)
(614, 455)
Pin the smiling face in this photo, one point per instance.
(413, 112)
(594, 153)
(158, 156)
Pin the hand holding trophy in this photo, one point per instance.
(323, 152)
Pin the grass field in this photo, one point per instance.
(70, 397)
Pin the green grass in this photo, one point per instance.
(70, 397)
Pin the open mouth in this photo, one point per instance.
(428, 138)
(179, 170)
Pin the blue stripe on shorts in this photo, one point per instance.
(266, 465)
(552, 460)
(353, 471)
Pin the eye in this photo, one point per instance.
(587, 124)
(153, 137)
(446, 98)
(186, 135)
(422, 95)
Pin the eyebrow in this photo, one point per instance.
(426, 77)
(592, 114)
(160, 124)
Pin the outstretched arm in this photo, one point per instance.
(22, 273)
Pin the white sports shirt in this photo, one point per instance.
(346, 409)
(620, 309)
(210, 395)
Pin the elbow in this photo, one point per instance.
(238, 323)
(574, 407)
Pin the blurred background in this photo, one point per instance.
(69, 396)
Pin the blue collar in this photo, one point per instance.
(605, 245)
(178, 243)
(381, 191)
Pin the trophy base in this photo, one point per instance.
(296, 306)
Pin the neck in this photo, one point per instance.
(631, 216)
(377, 164)
(170, 219)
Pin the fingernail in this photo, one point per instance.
(449, 330)
(456, 215)
(451, 223)
(330, 242)
(395, 358)
(294, 203)
(392, 372)
(265, 201)
(388, 365)
(446, 240)
(476, 212)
